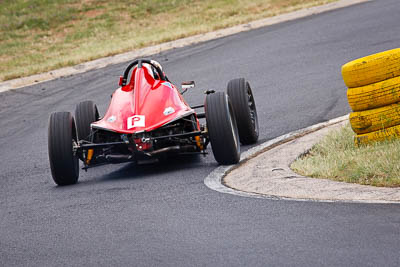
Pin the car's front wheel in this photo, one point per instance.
(62, 138)
(85, 113)
(244, 106)
(222, 129)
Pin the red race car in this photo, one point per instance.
(148, 119)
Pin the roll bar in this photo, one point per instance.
(123, 79)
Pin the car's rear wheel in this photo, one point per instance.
(61, 140)
(222, 129)
(244, 107)
(85, 113)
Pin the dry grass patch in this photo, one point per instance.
(40, 35)
(337, 158)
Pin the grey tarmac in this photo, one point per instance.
(163, 214)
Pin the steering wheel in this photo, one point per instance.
(139, 63)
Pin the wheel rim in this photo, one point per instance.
(252, 108)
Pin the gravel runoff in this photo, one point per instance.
(264, 173)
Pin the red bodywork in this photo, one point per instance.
(142, 105)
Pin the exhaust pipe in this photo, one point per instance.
(165, 149)
(114, 159)
(187, 148)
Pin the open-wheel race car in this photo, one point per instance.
(148, 119)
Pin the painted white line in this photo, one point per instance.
(214, 180)
(147, 51)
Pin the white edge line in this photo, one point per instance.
(214, 179)
(156, 49)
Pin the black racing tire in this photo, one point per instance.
(244, 107)
(222, 128)
(62, 136)
(85, 113)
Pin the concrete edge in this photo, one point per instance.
(147, 51)
(214, 180)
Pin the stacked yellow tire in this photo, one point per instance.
(374, 96)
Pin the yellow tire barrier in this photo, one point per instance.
(372, 69)
(375, 119)
(374, 95)
(381, 135)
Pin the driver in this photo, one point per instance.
(152, 70)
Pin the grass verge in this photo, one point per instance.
(337, 158)
(41, 35)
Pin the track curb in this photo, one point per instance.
(215, 181)
(147, 51)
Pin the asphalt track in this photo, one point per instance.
(163, 214)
